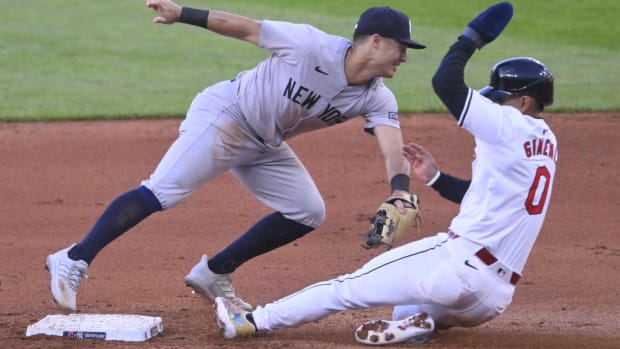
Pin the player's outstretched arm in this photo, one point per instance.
(168, 11)
(423, 164)
(239, 27)
(425, 168)
(449, 79)
(390, 142)
(223, 23)
(399, 212)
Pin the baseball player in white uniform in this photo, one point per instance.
(466, 275)
(311, 80)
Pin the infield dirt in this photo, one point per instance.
(58, 177)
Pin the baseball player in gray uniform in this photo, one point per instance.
(310, 81)
(466, 275)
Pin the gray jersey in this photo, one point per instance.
(302, 86)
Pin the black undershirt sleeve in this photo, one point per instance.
(450, 187)
(449, 85)
(449, 79)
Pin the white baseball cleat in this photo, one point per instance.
(414, 329)
(66, 276)
(202, 280)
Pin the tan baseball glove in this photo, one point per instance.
(388, 225)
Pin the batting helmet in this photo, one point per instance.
(520, 76)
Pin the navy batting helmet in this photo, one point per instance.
(520, 76)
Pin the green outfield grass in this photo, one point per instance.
(62, 59)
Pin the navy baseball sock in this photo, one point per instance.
(267, 234)
(123, 213)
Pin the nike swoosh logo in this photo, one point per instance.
(469, 265)
(318, 69)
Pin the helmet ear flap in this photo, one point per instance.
(494, 94)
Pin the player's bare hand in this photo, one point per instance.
(400, 205)
(421, 160)
(169, 12)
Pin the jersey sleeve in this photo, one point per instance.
(382, 109)
(286, 39)
(484, 119)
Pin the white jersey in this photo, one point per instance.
(302, 86)
(512, 179)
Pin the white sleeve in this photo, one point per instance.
(485, 119)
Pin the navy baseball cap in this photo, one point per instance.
(389, 23)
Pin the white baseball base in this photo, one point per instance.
(114, 327)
